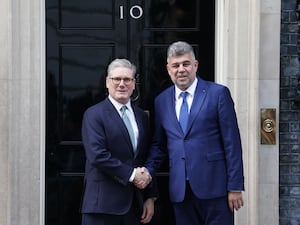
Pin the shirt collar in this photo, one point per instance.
(118, 105)
(190, 90)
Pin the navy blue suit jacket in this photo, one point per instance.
(209, 153)
(110, 160)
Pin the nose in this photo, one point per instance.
(181, 67)
(122, 82)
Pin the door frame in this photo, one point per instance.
(236, 72)
(218, 73)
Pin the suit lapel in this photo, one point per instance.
(199, 96)
(139, 122)
(112, 112)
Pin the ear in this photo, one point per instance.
(106, 82)
(168, 67)
(196, 63)
(134, 83)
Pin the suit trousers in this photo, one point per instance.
(195, 211)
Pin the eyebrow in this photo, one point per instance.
(186, 61)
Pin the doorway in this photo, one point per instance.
(82, 38)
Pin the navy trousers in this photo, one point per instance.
(194, 211)
(132, 217)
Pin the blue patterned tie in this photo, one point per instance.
(184, 112)
(128, 125)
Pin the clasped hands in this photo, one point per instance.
(142, 177)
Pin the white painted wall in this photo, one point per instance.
(21, 112)
(247, 61)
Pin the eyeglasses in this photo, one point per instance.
(117, 80)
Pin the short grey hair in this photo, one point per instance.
(180, 48)
(121, 63)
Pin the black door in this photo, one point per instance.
(82, 38)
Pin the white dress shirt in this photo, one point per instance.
(189, 97)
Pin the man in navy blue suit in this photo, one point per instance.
(196, 129)
(114, 155)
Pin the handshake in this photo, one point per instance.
(142, 177)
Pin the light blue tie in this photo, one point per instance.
(128, 125)
(184, 112)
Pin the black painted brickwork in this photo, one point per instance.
(289, 127)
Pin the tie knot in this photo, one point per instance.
(123, 108)
(183, 95)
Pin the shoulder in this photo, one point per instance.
(95, 109)
(139, 111)
(165, 94)
(212, 87)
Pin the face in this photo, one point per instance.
(182, 70)
(120, 92)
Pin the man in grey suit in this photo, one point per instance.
(115, 153)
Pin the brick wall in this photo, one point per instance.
(289, 126)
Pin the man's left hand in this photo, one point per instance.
(148, 210)
(235, 200)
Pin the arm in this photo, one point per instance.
(233, 150)
(231, 141)
(158, 150)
